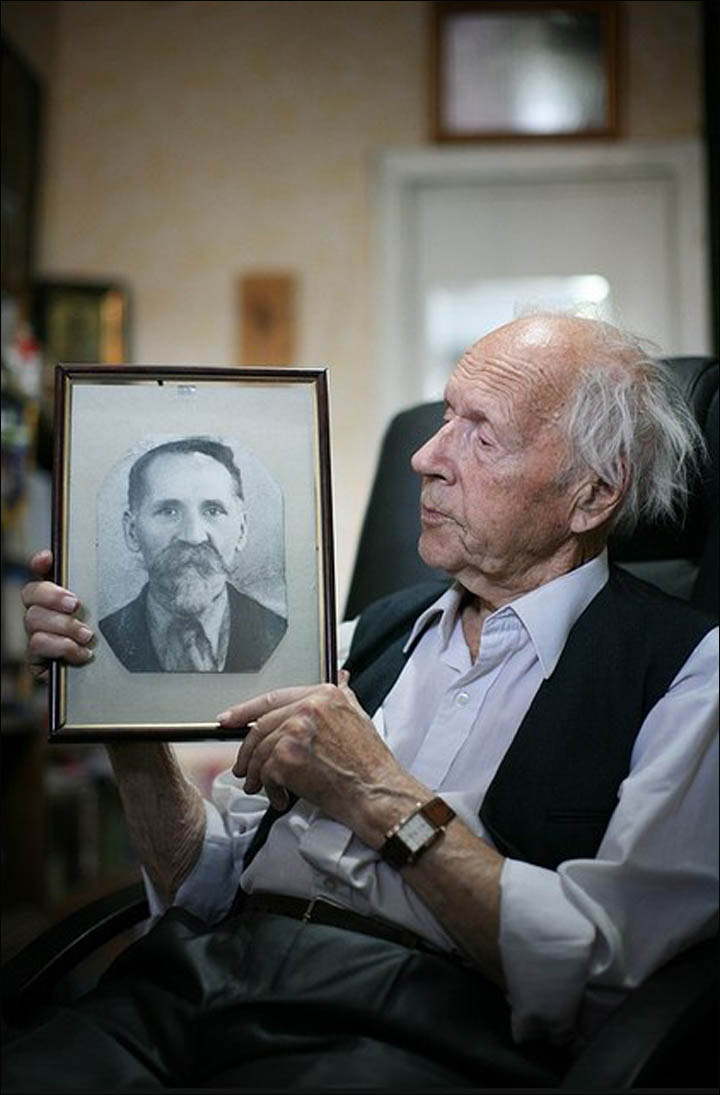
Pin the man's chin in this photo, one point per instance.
(434, 551)
(190, 600)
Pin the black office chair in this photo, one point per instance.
(682, 561)
(664, 1034)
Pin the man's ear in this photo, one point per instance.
(130, 531)
(242, 537)
(594, 505)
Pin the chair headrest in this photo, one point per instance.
(698, 379)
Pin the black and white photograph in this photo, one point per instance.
(191, 528)
(203, 550)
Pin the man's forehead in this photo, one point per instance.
(535, 358)
(190, 466)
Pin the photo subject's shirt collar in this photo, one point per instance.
(547, 613)
(215, 622)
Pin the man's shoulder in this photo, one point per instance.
(390, 617)
(126, 616)
(404, 603)
(638, 599)
(634, 628)
(126, 631)
(255, 631)
(243, 604)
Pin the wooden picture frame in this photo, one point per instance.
(86, 322)
(185, 495)
(524, 71)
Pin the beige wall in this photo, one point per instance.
(188, 143)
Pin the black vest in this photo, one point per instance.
(557, 785)
(555, 789)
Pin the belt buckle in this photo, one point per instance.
(310, 908)
(318, 900)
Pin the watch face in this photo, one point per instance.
(415, 832)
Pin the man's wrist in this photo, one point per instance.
(414, 834)
(384, 806)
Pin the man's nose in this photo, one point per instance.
(434, 457)
(194, 529)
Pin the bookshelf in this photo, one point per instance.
(63, 837)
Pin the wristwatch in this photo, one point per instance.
(407, 840)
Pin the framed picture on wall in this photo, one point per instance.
(523, 70)
(192, 518)
(83, 322)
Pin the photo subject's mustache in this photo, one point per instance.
(204, 558)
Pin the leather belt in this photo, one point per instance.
(321, 910)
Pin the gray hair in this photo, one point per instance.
(629, 422)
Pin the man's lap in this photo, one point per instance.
(262, 1000)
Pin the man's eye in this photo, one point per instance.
(166, 510)
(215, 511)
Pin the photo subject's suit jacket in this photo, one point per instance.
(255, 631)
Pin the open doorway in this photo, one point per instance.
(468, 239)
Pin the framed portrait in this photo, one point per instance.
(524, 70)
(192, 517)
(83, 321)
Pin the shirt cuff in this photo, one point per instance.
(210, 887)
(545, 946)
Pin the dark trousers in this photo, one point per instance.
(263, 1002)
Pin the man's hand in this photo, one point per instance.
(317, 742)
(53, 628)
(164, 812)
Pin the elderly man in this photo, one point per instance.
(499, 820)
(186, 517)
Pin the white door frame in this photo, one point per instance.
(400, 172)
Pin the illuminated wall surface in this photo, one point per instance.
(189, 143)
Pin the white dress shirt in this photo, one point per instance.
(572, 941)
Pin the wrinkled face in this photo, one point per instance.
(493, 509)
(188, 527)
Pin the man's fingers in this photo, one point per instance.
(245, 749)
(44, 646)
(48, 595)
(38, 618)
(278, 796)
(251, 757)
(272, 757)
(53, 630)
(242, 714)
(252, 754)
(41, 563)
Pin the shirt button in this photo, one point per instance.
(461, 699)
(330, 884)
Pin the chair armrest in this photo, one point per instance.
(675, 1006)
(29, 976)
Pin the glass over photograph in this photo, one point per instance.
(189, 526)
(192, 518)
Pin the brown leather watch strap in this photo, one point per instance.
(404, 845)
(438, 812)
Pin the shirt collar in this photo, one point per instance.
(446, 607)
(550, 611)
(211, 620)
(547, 613)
